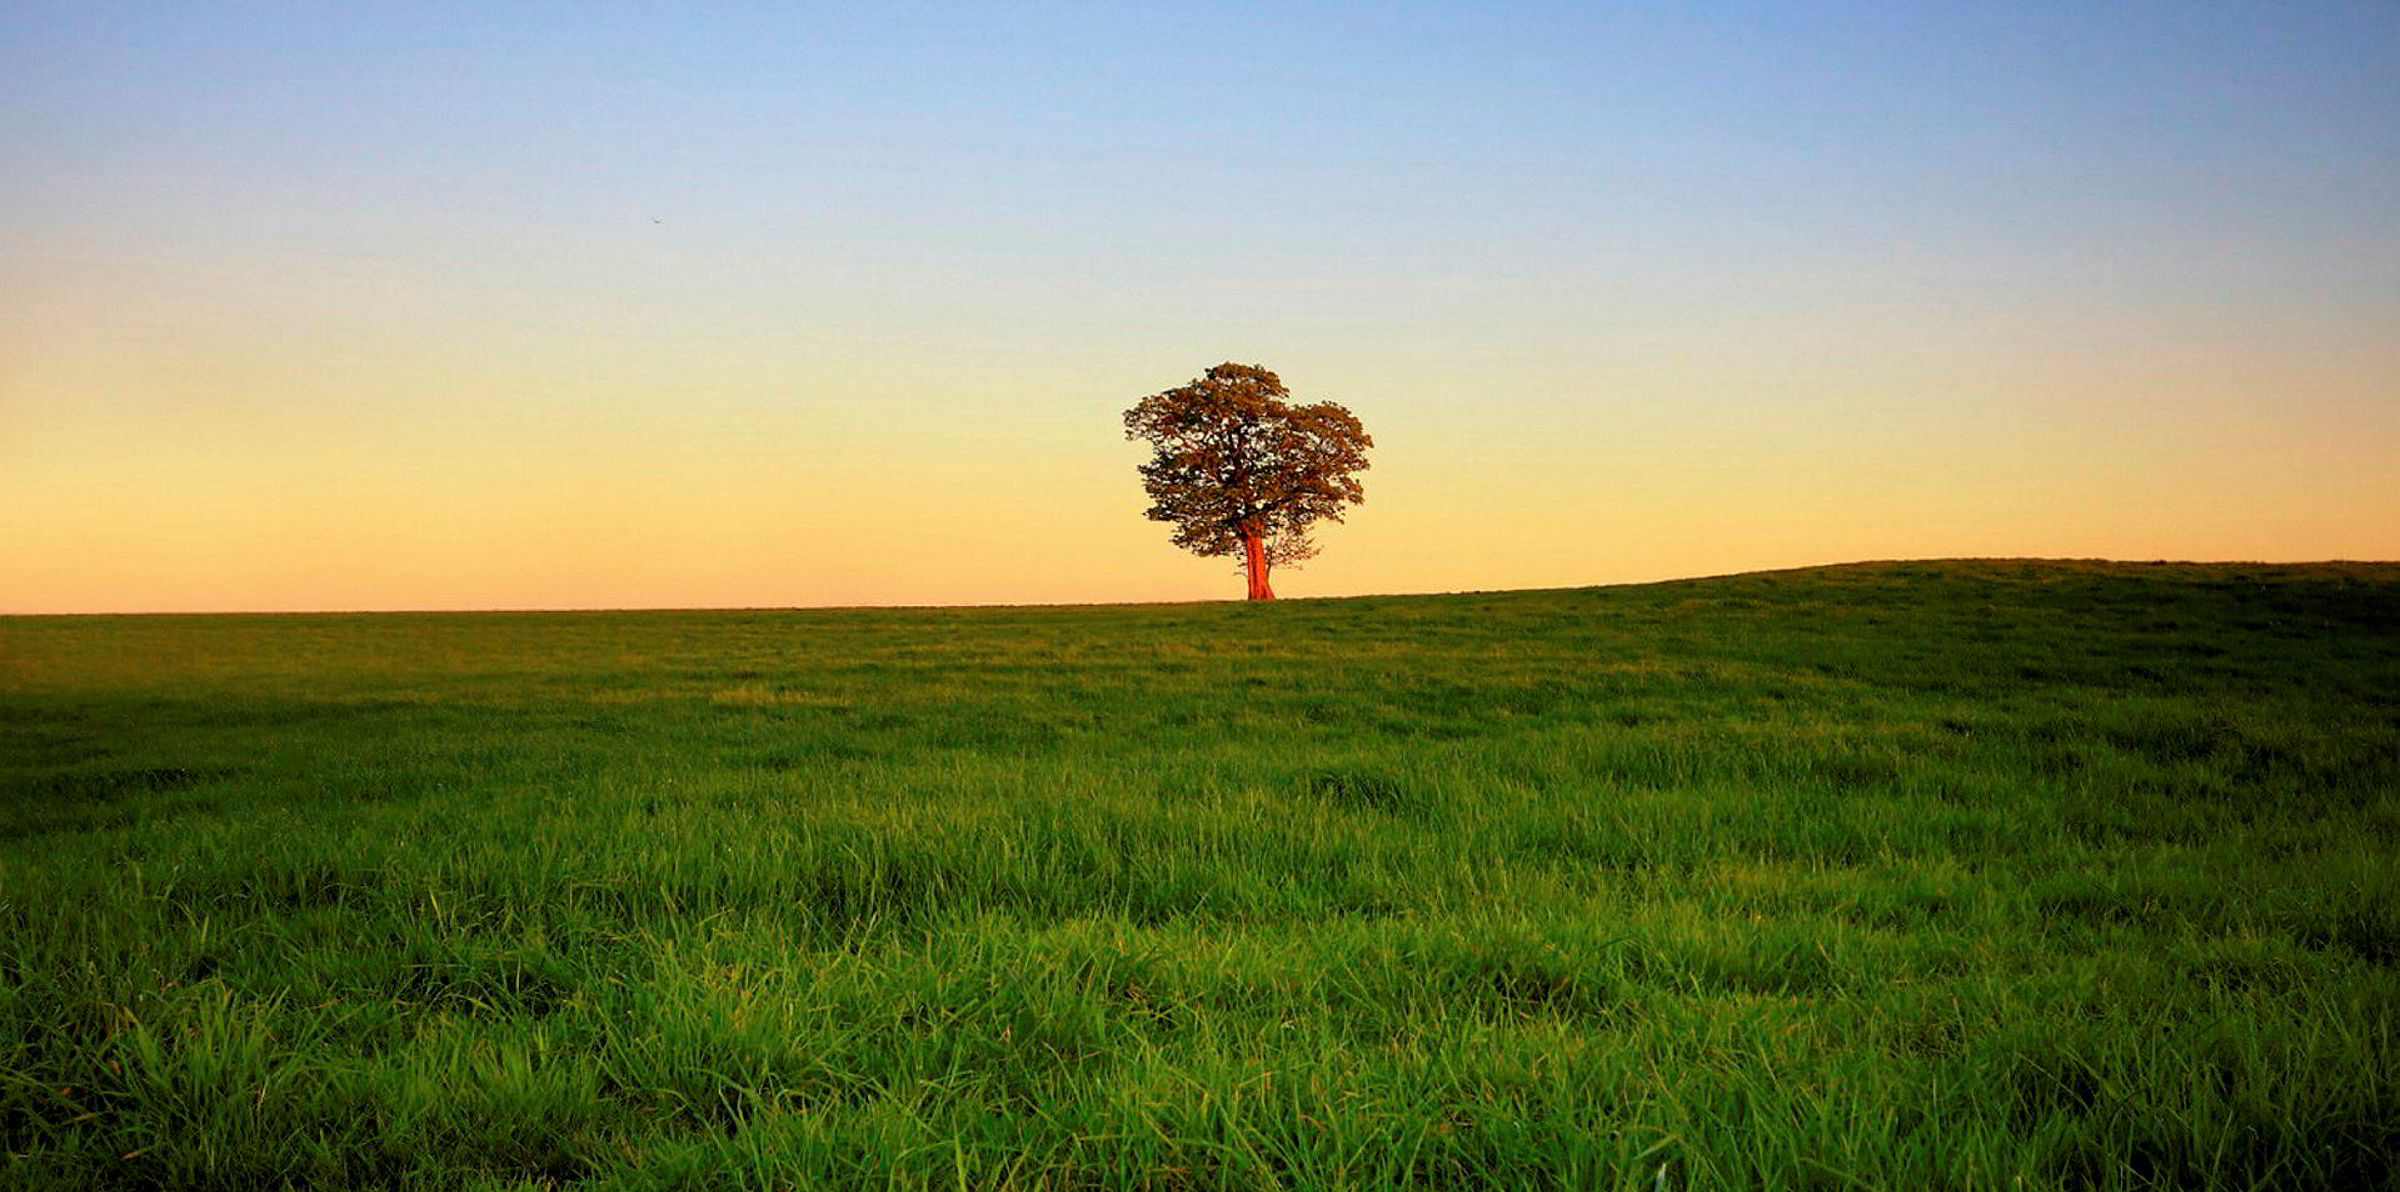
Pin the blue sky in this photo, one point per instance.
(2141, 254)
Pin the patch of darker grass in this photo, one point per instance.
(487, 982)
(107, 785)
(2369, 930)
(1363, 790)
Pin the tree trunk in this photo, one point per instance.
(1254, 561)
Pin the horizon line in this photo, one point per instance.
(1048, 604)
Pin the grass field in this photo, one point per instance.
(1939, 875)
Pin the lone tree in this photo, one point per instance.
(1240, 469)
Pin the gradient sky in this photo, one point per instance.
(351, 306)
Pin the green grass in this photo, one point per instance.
(1944, 875)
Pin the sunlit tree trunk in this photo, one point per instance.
(1254, 561)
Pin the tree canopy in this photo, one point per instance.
(1242, 470)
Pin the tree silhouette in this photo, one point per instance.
(1241, 470)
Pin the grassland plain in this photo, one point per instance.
(1937, 875)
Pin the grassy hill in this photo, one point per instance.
(1957, 874)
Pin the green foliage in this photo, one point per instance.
(1956, 875)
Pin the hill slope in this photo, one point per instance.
(1926, 874)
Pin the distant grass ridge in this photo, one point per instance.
(1958, 874)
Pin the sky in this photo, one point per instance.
(589, 305)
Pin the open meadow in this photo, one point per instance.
(1983, 874)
